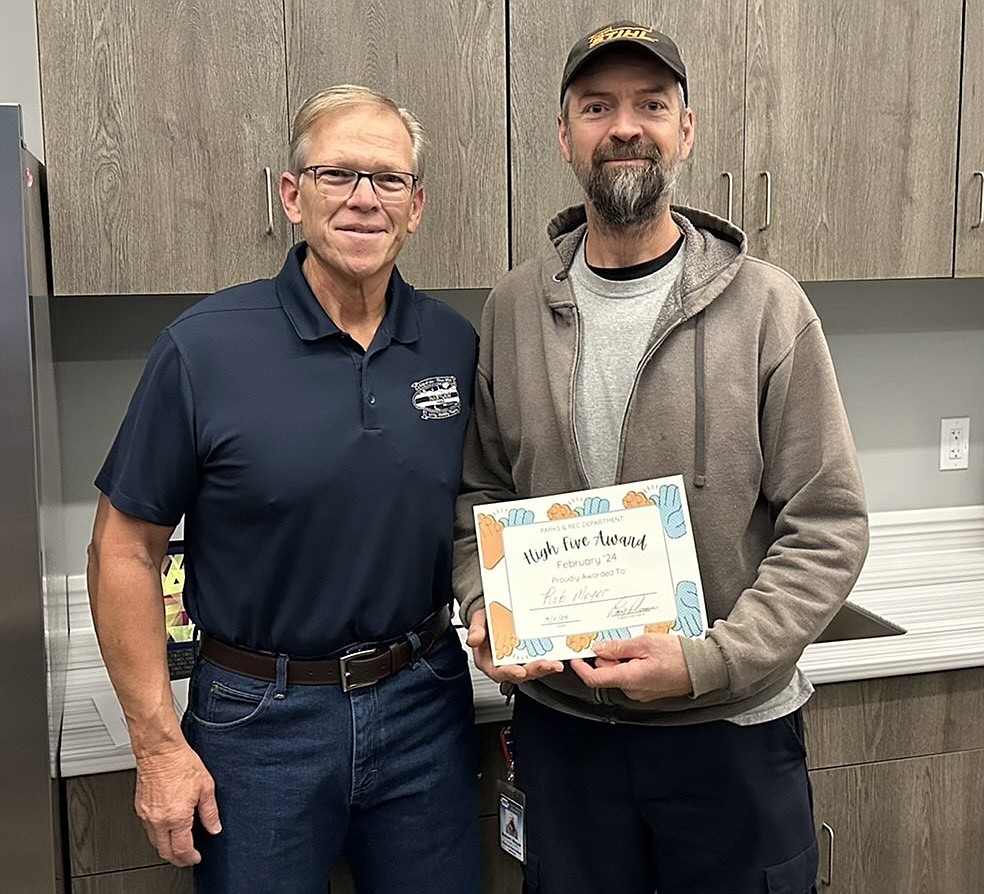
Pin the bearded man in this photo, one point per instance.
(646, 342)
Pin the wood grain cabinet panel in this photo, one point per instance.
(970, 184)
(912, 826)
(159, 121)
(104, 834)
(445, 62)
(895, 717)
(154, 880)
(852, 109)
(711, 37)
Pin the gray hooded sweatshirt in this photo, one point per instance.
(737, 393)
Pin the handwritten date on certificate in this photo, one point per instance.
(589, 573)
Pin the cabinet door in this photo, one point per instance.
(711, 37)
(910, 825)
(852, 110)
(155, 880)
(970, 184)
(446, 63)
(160, 119)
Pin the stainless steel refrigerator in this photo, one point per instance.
(33, 583)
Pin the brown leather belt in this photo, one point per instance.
(352, 671)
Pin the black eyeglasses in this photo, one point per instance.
(340, 183)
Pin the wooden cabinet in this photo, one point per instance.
(167, 130)
(835, 123)
(838, 122)
(969, 259)
(711, 37)
(897, 766)
(852, 109)
(910, 825)
(446, 62)
(161, 120)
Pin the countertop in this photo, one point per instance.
(925, 572)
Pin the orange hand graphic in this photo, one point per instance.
(490, 538)
(663, 627)
(502, 628)
(560, 510)
(577, 642)
(634, 499)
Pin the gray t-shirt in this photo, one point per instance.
(617, 322)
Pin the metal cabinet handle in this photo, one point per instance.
(768, 200)
(269, 197)
(828, 879)
(731, 194)
(980, 214)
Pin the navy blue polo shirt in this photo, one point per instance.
(317, 480)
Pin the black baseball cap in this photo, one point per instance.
(649, 39)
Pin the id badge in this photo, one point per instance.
(512, 820)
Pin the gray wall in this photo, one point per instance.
(906, 352)
(19, 80)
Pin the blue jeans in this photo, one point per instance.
(385, 774)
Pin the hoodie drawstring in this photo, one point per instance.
(700, 430)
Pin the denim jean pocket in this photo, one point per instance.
(446, 659)
(220, 699)
(795, 876)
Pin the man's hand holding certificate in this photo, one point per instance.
(565, 573)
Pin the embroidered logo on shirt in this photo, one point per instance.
(436, 397)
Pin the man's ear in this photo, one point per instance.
(686, 135)
(562, 136)
(290, 197)
(416, 208)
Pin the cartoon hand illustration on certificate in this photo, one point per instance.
(662, 627)
(634, 499)
(519, 516)
(578, 642)
(536, 647)
(503, 630)
(490, 539)
(688, 609)
(595, 506)
(560, 510)
(671, 511)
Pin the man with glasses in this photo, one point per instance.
(645, 342)
(309, 429)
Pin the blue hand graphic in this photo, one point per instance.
(671, 511)
(595, 506)
(537, 647)
(688, 609)
(616, 633)
(519, 517)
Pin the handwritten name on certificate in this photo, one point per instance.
(563, 572)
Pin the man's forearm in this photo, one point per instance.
(127, 609)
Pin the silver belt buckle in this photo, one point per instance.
(343, 661)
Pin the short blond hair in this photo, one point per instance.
(345, 96)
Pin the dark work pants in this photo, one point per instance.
(711, 808)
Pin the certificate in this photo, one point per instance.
(565, 571)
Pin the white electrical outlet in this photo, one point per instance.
(954, 443)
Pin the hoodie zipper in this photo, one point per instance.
(653, 348)
(577, 362)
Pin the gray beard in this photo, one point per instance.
(627, 198)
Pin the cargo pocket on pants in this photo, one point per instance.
(796, 876)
